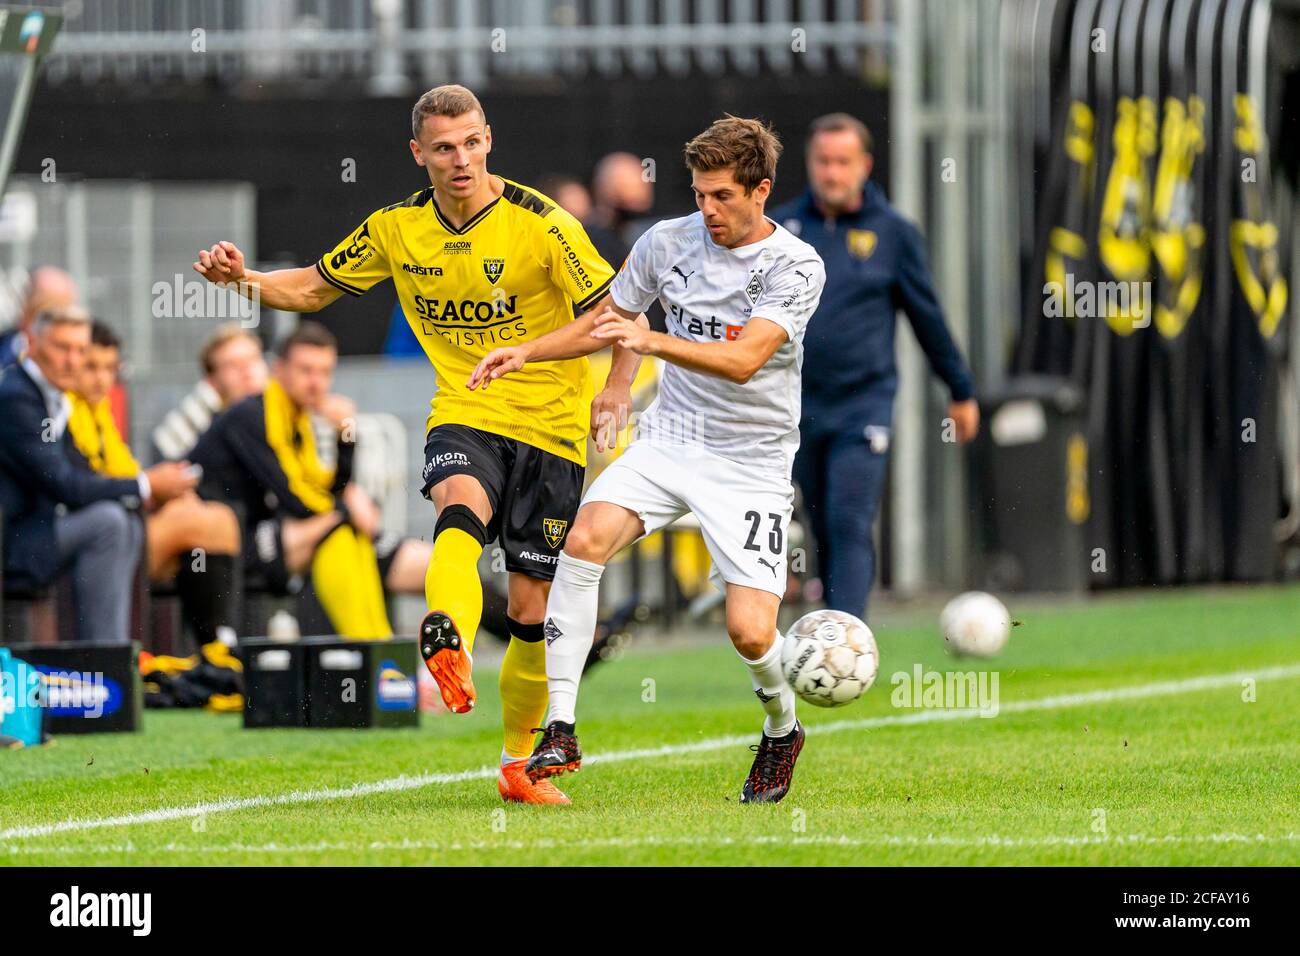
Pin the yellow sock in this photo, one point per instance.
(523, 694)
(452, 584)
(345, 574)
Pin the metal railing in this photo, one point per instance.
(395, 44)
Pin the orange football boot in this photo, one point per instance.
(515, 787)
(449, 661)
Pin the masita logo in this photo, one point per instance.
(74, 909)
(394, 690)
(80, 693)
(419, 270)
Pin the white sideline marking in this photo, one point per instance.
(419, 781)
(993, 841)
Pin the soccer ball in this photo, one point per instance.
(975, 624)
(829, 658)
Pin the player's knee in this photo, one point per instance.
(586, 542)
(463, 518)
(526, 605)
(751, 642)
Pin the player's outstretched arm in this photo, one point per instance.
(292, 290)
(735, 360)
(571, 341)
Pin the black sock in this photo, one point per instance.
(208, 598)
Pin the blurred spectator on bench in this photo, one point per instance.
(47, 288)
(233, 369)
(192, 541)
(571, 195)
(96, 539)
(299, 516)
(623, 195)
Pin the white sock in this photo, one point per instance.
(771, 688)
(569, 631)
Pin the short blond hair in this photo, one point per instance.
(219, 339)
(449, 100)
(748, 145)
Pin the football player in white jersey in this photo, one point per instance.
(718, 440)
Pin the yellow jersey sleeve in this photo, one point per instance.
(359, 261)
(573, 262)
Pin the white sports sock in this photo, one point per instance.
(771, 688)
(569, 631)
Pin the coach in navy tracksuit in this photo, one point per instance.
(875, 265)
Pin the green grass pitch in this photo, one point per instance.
(1127, 735)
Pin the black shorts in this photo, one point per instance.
(534, 494)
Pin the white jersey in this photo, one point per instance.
(709, 293)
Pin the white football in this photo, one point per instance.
(975, 624)
(829, 658)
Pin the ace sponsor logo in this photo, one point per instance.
(356, 253)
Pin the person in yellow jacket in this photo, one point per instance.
(194, 541)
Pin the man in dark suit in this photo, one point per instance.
(96, 538)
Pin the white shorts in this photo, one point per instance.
(743, 513)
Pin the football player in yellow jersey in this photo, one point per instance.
(479, 262)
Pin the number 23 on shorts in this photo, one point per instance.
(775, 535)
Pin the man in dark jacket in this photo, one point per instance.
(301, 517)
(875, 265)
(96, 538)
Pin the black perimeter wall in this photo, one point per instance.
(291, 145)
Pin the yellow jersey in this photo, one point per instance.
(512, 273)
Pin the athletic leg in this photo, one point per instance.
(745, 516)
(636, 495)
(465, 472)
(201, 540)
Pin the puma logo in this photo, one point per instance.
(765, 697)
(764, 563)
(806, 279)
(686, 276)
